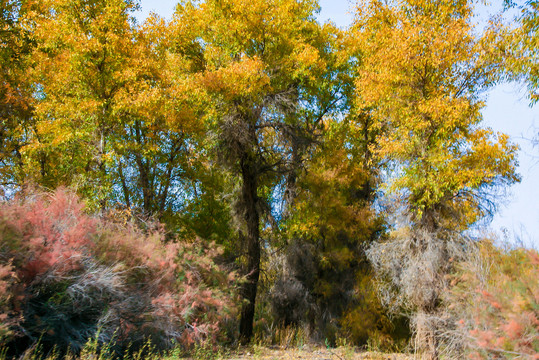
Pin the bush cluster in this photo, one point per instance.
(67, 277)
(495, 302)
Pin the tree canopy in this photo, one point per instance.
(323, 161)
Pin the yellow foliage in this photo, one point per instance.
(419, 78)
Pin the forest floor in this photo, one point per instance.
(312, 353)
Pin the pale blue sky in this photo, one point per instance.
(507, 110)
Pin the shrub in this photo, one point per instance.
(7, 277)
(68, 277)
(331, 296)
(44, 242)
(413, 265)
(495, 300)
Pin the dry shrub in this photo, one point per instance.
(290, 296)
(7, 278)
(291, 301)
(330, 298)
(495, 302)
(413, 264)
(66, 277)
(413, 267)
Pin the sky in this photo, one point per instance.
(506, 111)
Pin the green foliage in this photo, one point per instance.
(208, 215)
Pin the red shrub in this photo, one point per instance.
(40, 234)
(191, 294)
(500, 318)
(65, 274)
(52, 231)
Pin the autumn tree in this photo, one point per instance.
(267, 70)
(115, 116)
(419, 80)
(325, 283)
(519, 50)
(156, 148)
(79, 71)
(15, 94)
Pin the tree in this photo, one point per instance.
(116, 116)
(326, 282)
(268, 72)
(519, 49)
(155, 148)
(419, 80)
(15, 94)
(79, 68)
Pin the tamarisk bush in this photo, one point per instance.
(495, 302)
(67, 277)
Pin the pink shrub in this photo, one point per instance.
(53, 232)
(41, 234)
(64, 275)
(500, 319)
(191, 294)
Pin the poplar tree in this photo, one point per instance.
(268, 68)
(420, 80)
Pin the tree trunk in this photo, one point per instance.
(252, 244)
(291, 191)
(432, 344)
(428, 342)
(426, 333)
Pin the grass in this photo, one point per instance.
(253, 352)
(283, 343)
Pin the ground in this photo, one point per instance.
(311, 353)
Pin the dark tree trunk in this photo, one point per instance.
(291, 180)
(125, 189)
(252, 243)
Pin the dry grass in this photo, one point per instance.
(313, 353)
(310, 352)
